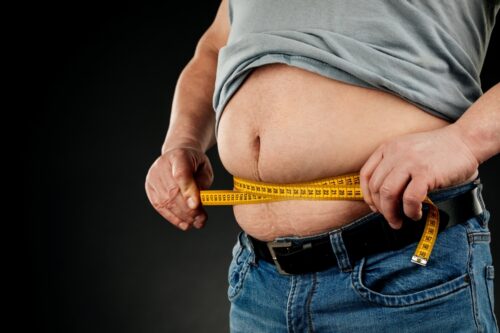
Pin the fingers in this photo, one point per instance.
(204, 176)
(162, 202)
(390, 193)
(200, 219)
(366, 173)
(174, 219)
(165, 203)
(177, 203)
(413, 197)
(377, 179)
(183, 167)
(383, 181)
(169, 175)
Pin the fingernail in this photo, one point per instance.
(183, 225)
(396, 225)
(198, 219)
(197, 224)
(191, 203)
(419, 216)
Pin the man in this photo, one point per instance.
(306, 91)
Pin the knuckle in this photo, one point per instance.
(177, 221)
(156, 170)
(186, 194)
(363, 175)
(426, 168)
(413, 214)
(183, 215)
(176, 153)
(172, 191)
(387, 192)
(411, 199)
(155, 163)
(165, 204)
(157, 166)
(372, 186)
(192, 214)
(173, 218)
(181, 173)
(170, 217)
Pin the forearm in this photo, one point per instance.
(479, 126)
(192, 118)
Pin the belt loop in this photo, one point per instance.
(245, 241)
(340, 251)
(479, 196)
(479, 205)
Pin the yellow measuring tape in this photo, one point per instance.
(345, 187)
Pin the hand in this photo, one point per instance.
(409, 166)
(173, 180)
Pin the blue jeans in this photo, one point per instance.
(384, 292)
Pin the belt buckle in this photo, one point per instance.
(278, 244)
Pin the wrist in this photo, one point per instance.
(191, 132)
(469, 140)
(186, 143)
(479, 126)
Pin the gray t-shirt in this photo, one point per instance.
(429, 52)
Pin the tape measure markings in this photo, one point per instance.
(344, 187)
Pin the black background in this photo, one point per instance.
(103, 77)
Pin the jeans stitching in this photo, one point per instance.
(242, 269)
(472, 284)
(489, 281)
(439, 291)
(340, 252)
(308, 303)
(291, 296)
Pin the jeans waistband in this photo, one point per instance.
(336, 235)
(435, 195)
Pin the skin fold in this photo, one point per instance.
(393, 173)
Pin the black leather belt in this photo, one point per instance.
(297, 256)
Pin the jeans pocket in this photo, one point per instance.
(391, 279)
(238, 268)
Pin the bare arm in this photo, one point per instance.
(174, 179)
(404, 169)
(479, 127)
(192, 118)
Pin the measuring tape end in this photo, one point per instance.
(419, 261)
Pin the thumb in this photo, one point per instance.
(204, 176)
(183, 168)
